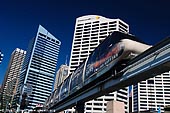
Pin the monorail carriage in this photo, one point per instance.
(77, 78)
(110, 56)
(65, 89)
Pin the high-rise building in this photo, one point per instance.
(89, 32)
(152, 94)
(11, 77)
(61, 75)
(38, 71)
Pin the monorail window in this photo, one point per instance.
(95, 56)
(77, 76)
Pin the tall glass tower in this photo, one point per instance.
(38, 71)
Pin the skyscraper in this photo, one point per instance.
(90, 30)
(38, 71)
(153, 93)
(11, 77)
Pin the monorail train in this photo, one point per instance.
(110, 56)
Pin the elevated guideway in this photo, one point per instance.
(152, 62)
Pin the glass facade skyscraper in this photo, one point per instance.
(38, 70)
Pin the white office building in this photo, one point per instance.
(153, 93)
(90, 30)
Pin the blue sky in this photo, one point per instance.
(19, 19)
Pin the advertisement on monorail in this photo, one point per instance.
(106, 55)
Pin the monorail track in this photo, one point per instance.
(152, 62)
